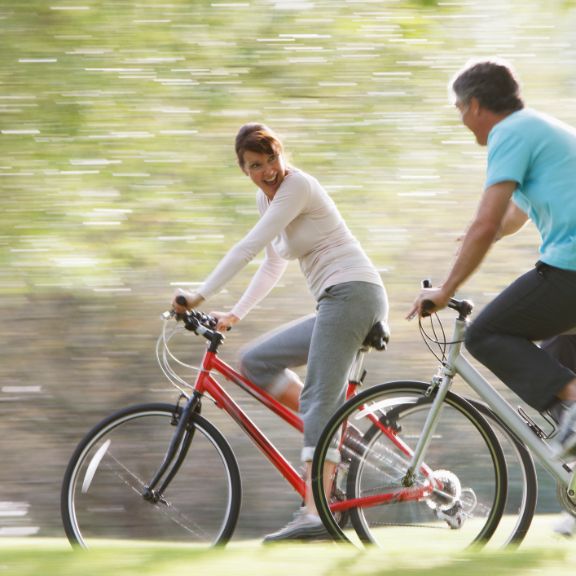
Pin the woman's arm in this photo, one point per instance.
(265, 278)
(289, 202)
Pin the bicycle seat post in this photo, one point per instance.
(357, 373)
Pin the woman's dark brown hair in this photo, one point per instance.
(256, 138)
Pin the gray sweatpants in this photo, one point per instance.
(327, 342)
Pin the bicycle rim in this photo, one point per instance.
(522, 493)
(102, 500)
(456, 498)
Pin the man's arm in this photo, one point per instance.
(513, 220)
(475, 244)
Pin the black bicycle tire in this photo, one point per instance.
(530, 496)
(464, 406)
(530, 500)
(120, 416)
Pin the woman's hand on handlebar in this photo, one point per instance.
(191, 299)
(225, 320)
(439, 297)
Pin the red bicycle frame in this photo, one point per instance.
(207, 384)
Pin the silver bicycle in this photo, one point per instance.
(420, 461)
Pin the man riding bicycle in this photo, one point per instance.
(531, 174)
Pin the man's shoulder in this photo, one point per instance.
(529, 117)
(520, 126)
(525, 116)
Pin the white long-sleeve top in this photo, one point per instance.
(300, 222)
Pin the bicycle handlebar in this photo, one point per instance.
(463, 307)
(195, 321)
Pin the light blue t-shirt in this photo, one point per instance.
(539, 153)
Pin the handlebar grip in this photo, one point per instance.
(427, 307)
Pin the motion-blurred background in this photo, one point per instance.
(118, 182)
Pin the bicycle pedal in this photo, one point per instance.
(454, 517)
(531, 424)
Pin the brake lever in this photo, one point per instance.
(427, 306)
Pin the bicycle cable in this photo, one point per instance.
(431, 340)
(164, 356)
(434, 339)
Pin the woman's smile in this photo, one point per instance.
(267, 171)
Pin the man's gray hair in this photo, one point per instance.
(491, 82)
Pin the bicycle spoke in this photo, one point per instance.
(164, 506)
(460, 496)
(104, 490)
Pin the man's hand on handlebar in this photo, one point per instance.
(429, 300)
(225, 320)
(184, 300)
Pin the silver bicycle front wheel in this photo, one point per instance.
(455, 499)
(102, 498)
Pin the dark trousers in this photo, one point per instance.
(537, 306)
(563, 348)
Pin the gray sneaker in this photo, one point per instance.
(303, 528)
(565, 414)
(565, 525)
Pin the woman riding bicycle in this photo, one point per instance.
(531, 174)
(298, 220)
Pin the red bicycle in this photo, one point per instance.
(162, 472)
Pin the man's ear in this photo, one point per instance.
(474, 106)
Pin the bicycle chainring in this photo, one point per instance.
(444, 497)
(568, 502)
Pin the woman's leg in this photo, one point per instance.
(345, 314)
(267, 361)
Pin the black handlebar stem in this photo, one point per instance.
(463, 307)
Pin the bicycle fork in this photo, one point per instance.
(441, 384)
(176, 453)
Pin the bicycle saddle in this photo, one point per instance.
(378, 336)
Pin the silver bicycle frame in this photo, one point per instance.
(456, 363)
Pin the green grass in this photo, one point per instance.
(542, 553)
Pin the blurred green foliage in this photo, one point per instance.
(118, 118)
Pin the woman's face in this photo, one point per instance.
(267, 171)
